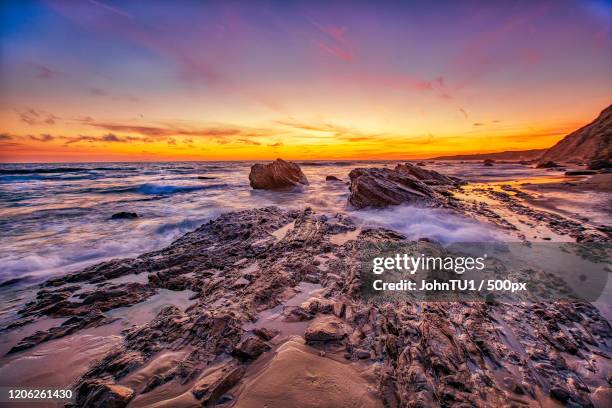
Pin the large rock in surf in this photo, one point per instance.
(276, 175)
(405, 184)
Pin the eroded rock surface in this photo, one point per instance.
(279, 174)
(394, 354)
(379, 188)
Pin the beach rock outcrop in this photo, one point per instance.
(217, 381)
(325, 329)
(332, 178)
(600, 164)
(250, 348)
(102, 393)
(429, 177)
(279, 174)
(452, 353)
(376, 187)
(547, 165)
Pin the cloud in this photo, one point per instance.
(336, 51)
(465, 114)
(161, 131)
(335, 32)
(36, 117)
(112, 138)
(478, 124)
(108, 138)
(5, 136)
(96, 91)
(105, 94)
(248, 142)
(277, 144)
(44, 137)
(44, 72)
(112, 9)
(333, 41)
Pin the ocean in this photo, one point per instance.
(56, 218)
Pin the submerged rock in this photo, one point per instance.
(124, 215)
(488, 162)
(276, 175)
(332, 178)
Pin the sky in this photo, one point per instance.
(104, 80)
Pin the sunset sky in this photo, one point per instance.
(103, 80)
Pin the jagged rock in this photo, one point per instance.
(217, 381)
(265, 333)
(332, 178)
(454, 354)
(429, 177)
(599, 164)
(102, 393)
(325, 329)
(377, 187)
(94, 318)
(250, 348)
(276, 175)
(547, 165)
(580, 172)
(124, 215)
(57, 304)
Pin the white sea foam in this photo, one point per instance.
(438, 224)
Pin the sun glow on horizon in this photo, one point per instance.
(110, 81)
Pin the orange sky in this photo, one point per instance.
(108, 81)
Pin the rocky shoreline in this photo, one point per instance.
(276, 290)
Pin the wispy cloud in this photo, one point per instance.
(106, 94)
(41, 71)
(44, 137)
(36, 117)
(332, 40)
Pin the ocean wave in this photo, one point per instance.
(438, 224)
(44, 170)
(156, 189)
(53, 170)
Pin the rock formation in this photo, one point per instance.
(591, 142)
(429, 177)
(448, 354)
(547, 165)
(279, 174)
(407, 183)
